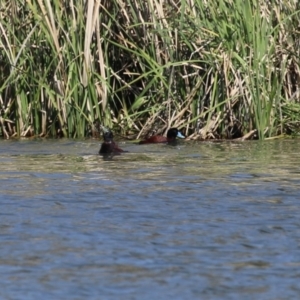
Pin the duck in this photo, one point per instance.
(109, 146)
(172, 134)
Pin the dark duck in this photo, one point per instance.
(109, 146)
(172, 134)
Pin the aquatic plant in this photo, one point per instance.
(215, 69)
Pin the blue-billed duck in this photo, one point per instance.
(171, 137)
(109, 147)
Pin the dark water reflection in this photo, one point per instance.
(196, 221)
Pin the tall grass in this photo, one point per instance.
(216, 69)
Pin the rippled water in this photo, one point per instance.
(195, 221)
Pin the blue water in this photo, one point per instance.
(195, 221)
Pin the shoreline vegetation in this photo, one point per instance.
(214, 69)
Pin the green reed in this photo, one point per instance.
(216, 69)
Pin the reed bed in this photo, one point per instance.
(215, 69)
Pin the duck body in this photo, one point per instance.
(109, 146)
(172, 134)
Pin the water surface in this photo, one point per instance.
(196, 221)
